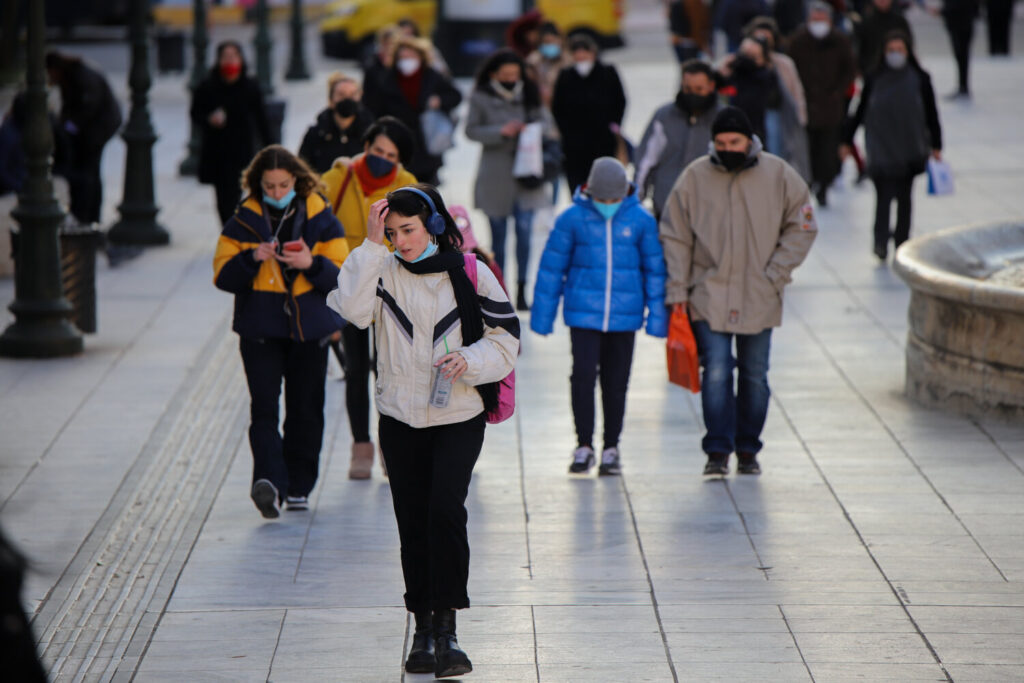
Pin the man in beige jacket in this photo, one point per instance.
(736, 224)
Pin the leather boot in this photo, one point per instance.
(421, 654)
(521, 304)
(362, 460)
(451, 660)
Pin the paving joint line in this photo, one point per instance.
(536, 652)
(277, 644)
(792, 635)
(522, 493)
(899, 444)
(750, 539)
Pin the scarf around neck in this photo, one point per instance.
(466, 303)
(369, 182)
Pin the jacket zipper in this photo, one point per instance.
(607, 274)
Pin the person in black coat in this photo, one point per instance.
(959, 16)
(880, 17)
(751, 83)
(338, 131)
(588, 107)
(89, 115)
(228, 108)
(407, 89)
(901, 129)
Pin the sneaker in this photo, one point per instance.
(747, 463)
(582, 460)
(718, 463)
(264, 494)
(610, 463)
(296, 503)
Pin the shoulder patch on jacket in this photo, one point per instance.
(807, 217)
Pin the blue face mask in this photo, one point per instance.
(550, 50)
(378, 166)
(279, 203)
(607, 210)
(427, 253)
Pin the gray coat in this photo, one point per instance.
(496, 190)
(687, 140)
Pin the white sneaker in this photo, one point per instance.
(296, 503)
(582, 460)
(610, 462)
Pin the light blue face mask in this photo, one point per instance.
(550, 50)
(427, 253)
(607, 210)
(279, 203)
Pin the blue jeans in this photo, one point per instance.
(734, 412)
(524, 227)
(773, 131)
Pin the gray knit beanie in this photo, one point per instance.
(607, 179)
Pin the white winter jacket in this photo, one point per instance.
(413, 316)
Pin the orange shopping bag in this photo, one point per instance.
(683, 364)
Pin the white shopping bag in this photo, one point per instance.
(940, 177)
(529, 161)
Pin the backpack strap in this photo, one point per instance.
(470, 260)
(341, 192)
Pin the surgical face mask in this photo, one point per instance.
(607, 210)
(819, 29)
(584, 68)
(427, 253)
(279, 203)
(895, 60)
(408, 65)
(378, 166)
(731, 160)
(550, 51)
(346, 107)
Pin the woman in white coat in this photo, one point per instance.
(431, 328)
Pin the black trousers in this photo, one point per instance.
(960, 26)
(357, 376)
(291, 463)
(888, 189)
(85, 184)
(824, 148)
(610, 356)
(999, 15)
(228, 192)
(429, 470)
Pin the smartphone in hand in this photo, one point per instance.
(294, 245)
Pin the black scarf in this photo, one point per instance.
(465, 302)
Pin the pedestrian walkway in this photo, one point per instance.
(884, 541)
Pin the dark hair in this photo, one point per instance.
(498, 59)
(397, 132)
(276, 157)
(582, 41)
(908, 42)
(223, 45)
(765, 24)
(405, 203)
(59, 62)
(414, 29)
(697, 66)
(549, 29)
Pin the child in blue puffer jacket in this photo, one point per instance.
(604, 255)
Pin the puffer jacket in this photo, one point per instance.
(261, 291)
(414, 317)
(732, 239)
(609, 271)
(353, 208)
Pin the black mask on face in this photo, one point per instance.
(508, 85)
(695, 104)
(732, 160)
(744, 65)
(346, 107)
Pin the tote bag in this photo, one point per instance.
(681, 351)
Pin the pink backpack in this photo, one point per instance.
(506, 387)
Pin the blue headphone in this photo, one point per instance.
(435, 224)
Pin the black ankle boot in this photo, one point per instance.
(421, 654)
(451, 660)
(521, 304)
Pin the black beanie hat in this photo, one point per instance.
(732, 120)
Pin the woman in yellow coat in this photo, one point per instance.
(353, 185)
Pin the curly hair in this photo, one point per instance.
(274, 157)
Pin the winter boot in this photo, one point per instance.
(421, 654)
(451, 660)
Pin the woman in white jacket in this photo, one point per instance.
(428, 320)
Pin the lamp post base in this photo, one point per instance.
(141, 231)
(41, 331)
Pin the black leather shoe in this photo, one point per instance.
(450, 659)
(521, 304)
(718, 463)
(881, 251)
(747, 464)
(421, 654)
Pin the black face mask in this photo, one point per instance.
(508, 85)
(744, 65)
(346, 108)
(695, 104)
(732, 160)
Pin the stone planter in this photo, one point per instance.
(965, 349)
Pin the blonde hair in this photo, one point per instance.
(420, 45)
(337, 77)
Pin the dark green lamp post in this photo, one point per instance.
(297, 70)
(138, 209)
(262, 44)
(40, 328)
(190, 165)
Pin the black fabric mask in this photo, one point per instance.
(508, 85)
(695, 104)
(744, 65)
(346, 108)
(732, 161)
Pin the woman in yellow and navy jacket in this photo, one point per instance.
(279, 255)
